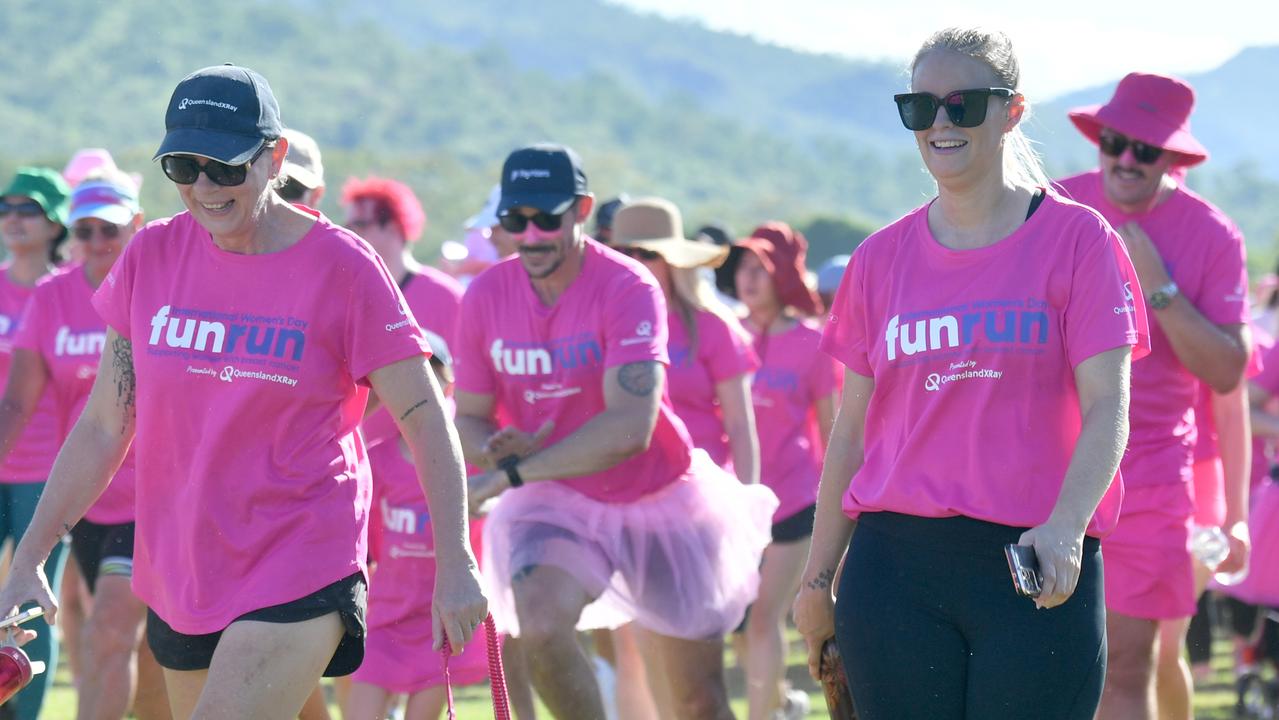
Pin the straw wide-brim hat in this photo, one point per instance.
(655, 224)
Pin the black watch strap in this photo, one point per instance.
(508, 465)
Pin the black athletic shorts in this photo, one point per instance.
(348, 597)
(102, 550)
(795, 527)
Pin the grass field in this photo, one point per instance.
(1214, 700)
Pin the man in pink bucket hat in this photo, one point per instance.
(1190, 264)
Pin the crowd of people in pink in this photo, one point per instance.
(995, 461)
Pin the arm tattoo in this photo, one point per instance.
(126, 383)
(415, 407)
(822, 581)
(66, 530)
(638, 378)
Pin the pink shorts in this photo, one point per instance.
(1149, 571)
(1210, 492)
(681, 562)
(1261, 586)
(405, 663)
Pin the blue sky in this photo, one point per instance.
(1062, 46)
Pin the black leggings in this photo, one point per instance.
(930, 627)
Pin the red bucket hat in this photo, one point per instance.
(1154, 109)
(782, 250)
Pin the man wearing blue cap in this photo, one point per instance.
(607, 514)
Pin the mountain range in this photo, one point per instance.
(437, 93)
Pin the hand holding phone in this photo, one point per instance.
(1023, 564)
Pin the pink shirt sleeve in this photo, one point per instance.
(1223, 299)
(636, 329)
(1268, 378)
(474, 373)
(1105, 310)
(114, 296)
(844, 337)
(726, 349)
(380, 329)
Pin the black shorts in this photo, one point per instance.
(101, 550)
(348, 597)
(795, 527)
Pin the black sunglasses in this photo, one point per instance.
(638, 253)
(1114, 145)
(290, 190)
(966, 108)
(84, 233)
(185, 169)
(26, 208)
(515, 224)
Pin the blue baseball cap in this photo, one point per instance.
(224, 113)
(543, 176)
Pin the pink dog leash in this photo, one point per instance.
(497, 677)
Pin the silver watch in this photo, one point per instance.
(1162, 296)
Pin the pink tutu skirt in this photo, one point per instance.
(681, 562)
(1261, 585)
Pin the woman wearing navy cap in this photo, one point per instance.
(244, 336)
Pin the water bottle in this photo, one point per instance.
(1209, 545)
(16, 670)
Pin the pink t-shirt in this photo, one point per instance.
(61, 325)
(1263, 452)
(723, 352)
(547, 363)
(31, 456)
(253, 482)
(792, 377)
(1204, 253)
(401, 544)
(975, 410)
(435, 299)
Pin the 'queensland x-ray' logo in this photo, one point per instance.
(932, 382)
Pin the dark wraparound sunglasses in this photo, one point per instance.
(965, 108)
(516, 224)
(1114, 144)
(186, 169)
(84, 233)
(26, 208)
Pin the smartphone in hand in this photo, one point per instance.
(1024, 567)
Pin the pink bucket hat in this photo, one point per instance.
(1154, 109)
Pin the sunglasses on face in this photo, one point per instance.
(185, 169)
(516, 224)
(26, 208)
(1114, 145)
(639, 253)
(291, 190)
(965, 108)
(85, 233)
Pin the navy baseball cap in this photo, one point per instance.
(544, 176)
(224, 113)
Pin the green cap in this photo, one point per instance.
(46, 187)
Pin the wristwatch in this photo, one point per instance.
(508, 465)
(1162, 296)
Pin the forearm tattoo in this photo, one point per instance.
(822, 581)
(126, 383)
(638, 378)
(409, 412)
